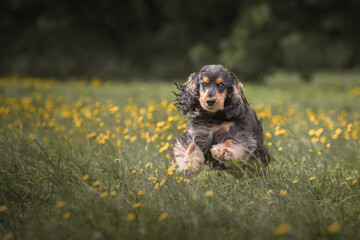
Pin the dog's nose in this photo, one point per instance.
(210, 102)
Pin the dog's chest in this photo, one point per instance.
(203, 135)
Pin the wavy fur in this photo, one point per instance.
(232, 129)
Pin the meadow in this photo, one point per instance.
(90, 159)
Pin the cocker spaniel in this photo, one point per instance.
(222, 129)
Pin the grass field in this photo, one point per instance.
(90, 160)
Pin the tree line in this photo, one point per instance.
(153, 39)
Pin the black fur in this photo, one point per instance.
(246, 128)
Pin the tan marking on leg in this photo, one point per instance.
(189, 160)
(227, 151)
(190, 149)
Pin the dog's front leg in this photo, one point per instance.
(229, 152)
(188, 157)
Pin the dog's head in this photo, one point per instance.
(213, 89)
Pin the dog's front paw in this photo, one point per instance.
(190, 161)
(222, 153)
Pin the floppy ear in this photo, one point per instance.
(188, 97)
(238, 100)
(191, 85)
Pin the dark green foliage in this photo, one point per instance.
(170, 39)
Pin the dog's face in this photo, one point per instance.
(214, 88)
(214, 82)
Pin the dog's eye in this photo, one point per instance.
(204, 84)
(221, 85)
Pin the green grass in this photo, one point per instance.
(55, 134)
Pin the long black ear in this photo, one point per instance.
(188, 97)
(238, 102)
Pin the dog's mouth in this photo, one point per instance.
(211, 109)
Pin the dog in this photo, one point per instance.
(222, 130)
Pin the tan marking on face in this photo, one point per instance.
(220, 100)
(206, 79)
(219, 104)
(203, 97)
(219, 80)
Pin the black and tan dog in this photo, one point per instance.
(222, 128)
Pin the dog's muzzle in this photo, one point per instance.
(210, 102)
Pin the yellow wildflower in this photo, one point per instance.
(9, 236)
(86, 177)
(283, 192)
(163, 216)
(282, 229)
(130, 217)
(269, 192)
(164, 148)
(60, 204)
(333, 228)
(160, 124)
(209, 193)
(96, 183)
(66, 215)
(311, 132)
(140, 193)
(104, 194)
(312, 178)
(314, 140)
(3, 208)
(163, 181)
(136, 205)
(268, 135)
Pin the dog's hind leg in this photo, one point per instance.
(188, 157)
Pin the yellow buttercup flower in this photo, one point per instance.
(163, 181)
(60, 204)
(209, 193)
(66, 215)
(136, 205)
(3, 208)
(104, 194)
(86, 177)
(96, 183)
(283, 229)
(283, 193)
(333, 228)
(163, 216)
(130, 217)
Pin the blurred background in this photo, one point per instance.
(158, 39)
